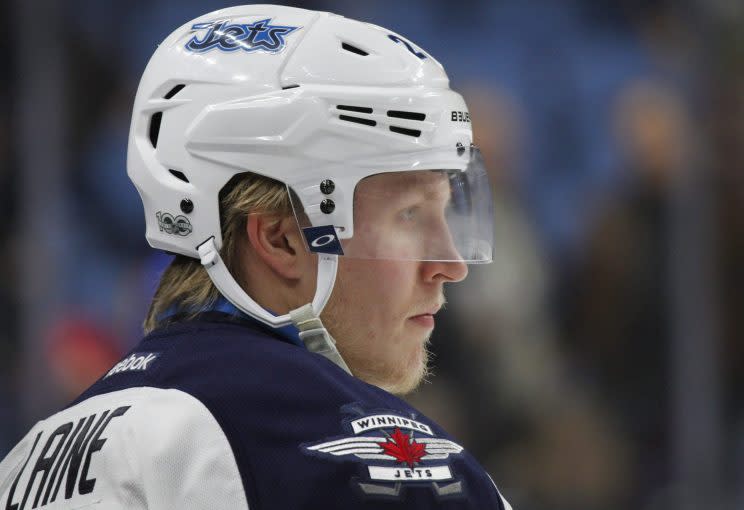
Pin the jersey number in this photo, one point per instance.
(396, 39)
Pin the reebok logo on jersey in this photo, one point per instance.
(135, 362)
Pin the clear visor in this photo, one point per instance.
(422, 215)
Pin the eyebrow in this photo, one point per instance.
(419, 195)
(409, 187)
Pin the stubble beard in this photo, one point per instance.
(386, 376)
(420, 374)
(353, 345)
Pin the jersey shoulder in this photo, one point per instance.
(229, 361)
(302, 430)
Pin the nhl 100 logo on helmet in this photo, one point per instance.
(178, 225)
(224, 36)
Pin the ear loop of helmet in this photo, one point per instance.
(306, 318)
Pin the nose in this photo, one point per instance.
(442, 247)
(444, 264)
(435, 271)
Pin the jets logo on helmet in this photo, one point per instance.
(257, 36)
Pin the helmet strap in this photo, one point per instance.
(306, 318)
(315, 336)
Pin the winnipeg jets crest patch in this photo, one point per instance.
(394, 452)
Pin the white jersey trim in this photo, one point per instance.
(143, 448)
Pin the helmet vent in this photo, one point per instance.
(155, 128)
(178, 175)
(405, 131)
(406, 115)
(290, 87)
(353, 49)
(175, 90)
(358, 120)
(358, 109)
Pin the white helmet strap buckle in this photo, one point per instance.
(315, 336)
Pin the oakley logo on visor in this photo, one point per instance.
(323, 240)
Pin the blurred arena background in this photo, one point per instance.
(597, 364)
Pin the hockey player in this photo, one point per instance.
(315, 178)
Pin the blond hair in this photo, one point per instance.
(185, 285)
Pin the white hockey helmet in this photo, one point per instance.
(323, 104)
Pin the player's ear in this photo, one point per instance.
(277, 241)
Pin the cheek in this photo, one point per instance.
(386, 287)
(368, 314)
(390, 302)
(371, 279)
(373, 300)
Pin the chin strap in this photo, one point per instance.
(306, 318)
(315, 336)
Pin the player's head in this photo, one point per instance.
(269, 142)
(384, 308)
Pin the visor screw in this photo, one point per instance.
(460, 149)
(327, 206)
(187, 206)
(327, 187)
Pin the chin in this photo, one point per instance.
(396, 375)
(404, 388)
(410, 378)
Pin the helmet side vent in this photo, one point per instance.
(398, 114)
(290, 87)
(358, 120)
(157, 117)
(357, 109)
(353, 49)
(175, 90)
(405, 131)
(178, 175)
(155, 128)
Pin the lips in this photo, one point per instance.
(425, 319)
(432, 310)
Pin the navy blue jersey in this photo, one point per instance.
(299, 431)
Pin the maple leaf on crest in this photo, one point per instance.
(403, 448)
